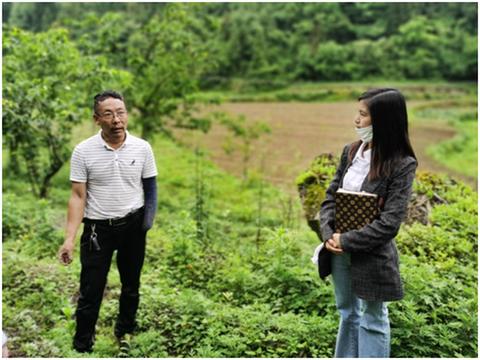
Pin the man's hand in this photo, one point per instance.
(333, 245)
(65, 253)
(76, 207)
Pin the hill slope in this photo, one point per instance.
(220, 280)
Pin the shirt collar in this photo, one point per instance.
(128, 140)
(360, 153)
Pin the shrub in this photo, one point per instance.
(34, 300)
(437, 318)
(230, 297)
(32, 225)
(313, 183)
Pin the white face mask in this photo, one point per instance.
(365, 134)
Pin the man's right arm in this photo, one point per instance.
(76, 207)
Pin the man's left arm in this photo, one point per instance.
(149, 176)
(150, 194)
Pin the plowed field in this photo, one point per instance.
(300, 131)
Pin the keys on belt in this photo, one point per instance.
(93, 239)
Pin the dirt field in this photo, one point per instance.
(300, 131)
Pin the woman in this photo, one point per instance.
(365, 266)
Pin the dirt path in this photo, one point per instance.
(300, 131)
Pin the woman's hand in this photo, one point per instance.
(333, 245)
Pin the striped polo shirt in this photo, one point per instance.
(113, 176)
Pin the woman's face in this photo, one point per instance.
(362, 119)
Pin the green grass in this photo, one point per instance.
(460, 152)
(228, 295)
(245, 91)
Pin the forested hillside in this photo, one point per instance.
(277, 43)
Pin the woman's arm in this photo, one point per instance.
(387, 225)
(327, 209)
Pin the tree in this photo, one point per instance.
(267, 44)
(46, 86)
(165, 47)
(32, 16)
(333, 61)
(416, 49)
(106, 35)
(167, 57)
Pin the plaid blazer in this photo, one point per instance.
(375, 264)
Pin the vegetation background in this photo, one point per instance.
(237, 100)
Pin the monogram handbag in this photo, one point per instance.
(354, 210)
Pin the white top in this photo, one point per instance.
(359, 169)
(113, 176)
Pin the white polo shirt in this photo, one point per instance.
(113, 176)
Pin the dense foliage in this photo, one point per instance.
(275, 43)
(46, 81)
(228, 294)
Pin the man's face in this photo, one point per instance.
(112, 117)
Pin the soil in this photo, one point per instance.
(301, 131)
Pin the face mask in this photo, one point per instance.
(365, 134)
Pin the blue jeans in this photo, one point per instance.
(364, 326)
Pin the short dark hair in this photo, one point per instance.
(390, 141)
(104, 95)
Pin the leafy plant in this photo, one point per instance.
(45, 85)
(313, 183)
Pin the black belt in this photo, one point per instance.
(115, 221)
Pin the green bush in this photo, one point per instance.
(31, 224)
(279, 274)
(35, 299)
(233, 296)
(437, 318)
(439, 265)
(192, 325)
(313, 183)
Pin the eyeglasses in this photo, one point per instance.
(111, 115)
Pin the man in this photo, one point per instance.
(113, 177)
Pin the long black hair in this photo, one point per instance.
(390, 141)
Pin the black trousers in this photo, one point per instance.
(128, 239)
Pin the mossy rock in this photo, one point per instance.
(313, 183)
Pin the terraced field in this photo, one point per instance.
(300, 131)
